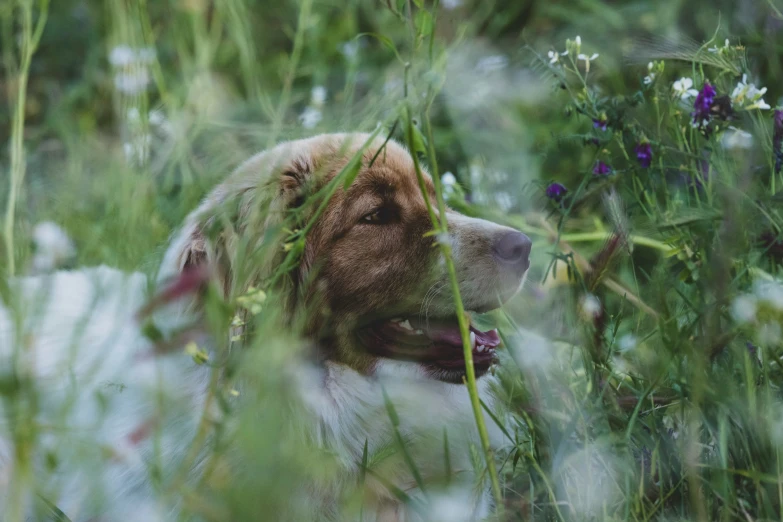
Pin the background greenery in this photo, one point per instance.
(636, 394)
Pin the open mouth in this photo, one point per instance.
(434, 343)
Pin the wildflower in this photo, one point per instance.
(554, 56)
(310, 117)
(602, 169)
(735, 138)
(199, 356)
(743, 309)
(777, 139)
(449, 182)
(627, 342)
(717, 49)
(644, 154)
(252, 300)
(318, 95)
(350, 50)
(132, 75)
(650, 74)
(556, 191)
(587, 60)
(747, 93)
(451, 4)
(448, 179)
(683, 89)
(53, 247)
(702, 106)
(590, 307)
(600, 123)
(132, 82)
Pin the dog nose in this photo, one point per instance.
(512, 249)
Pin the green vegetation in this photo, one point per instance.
(644, 365)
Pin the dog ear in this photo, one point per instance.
(225, 232)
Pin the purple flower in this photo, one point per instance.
(600, 124)
(777, 139)
(556, 191)
(644, 154)
(702, 106)
(602, 169)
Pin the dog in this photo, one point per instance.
(368, 287)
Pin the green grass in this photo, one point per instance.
(636, 389)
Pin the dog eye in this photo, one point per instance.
(380, 216)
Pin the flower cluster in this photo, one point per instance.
(556, 191)
(601, 169)
(573, 49)
(702, 107)
(748, 96)
(644, 154)
(761, 310)
(132, 75)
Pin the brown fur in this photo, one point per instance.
(351, 272)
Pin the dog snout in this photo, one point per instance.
(512, 250)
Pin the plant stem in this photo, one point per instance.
(441, 227)
(30, 39)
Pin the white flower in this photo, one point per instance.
(310, 117)
(53, 247)
(318, 95)
(746, 92)
(122, 55)
(554, 56)
(132, 82)
(743, 309)
(156, 118)
(717, 49)
(760, 104)
(590, 307)
(650, 74)
(350, 49)
(683, 89)
(450, 4)
(587, 60)
(770, 292)
(735, 138)
(448, 179)
(137, 150)
(627, 342)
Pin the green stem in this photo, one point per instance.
(440, 228)
(30, 39)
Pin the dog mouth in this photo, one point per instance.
(434, 343)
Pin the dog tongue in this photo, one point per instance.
(448, 333)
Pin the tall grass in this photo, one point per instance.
(642, 374)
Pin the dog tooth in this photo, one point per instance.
(482, 348)
(473, 340)
(407, 325)
(419, 332)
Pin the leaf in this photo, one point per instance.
(385, 40)
(419, 142)
(423, 22)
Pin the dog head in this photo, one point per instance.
(371, 281)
